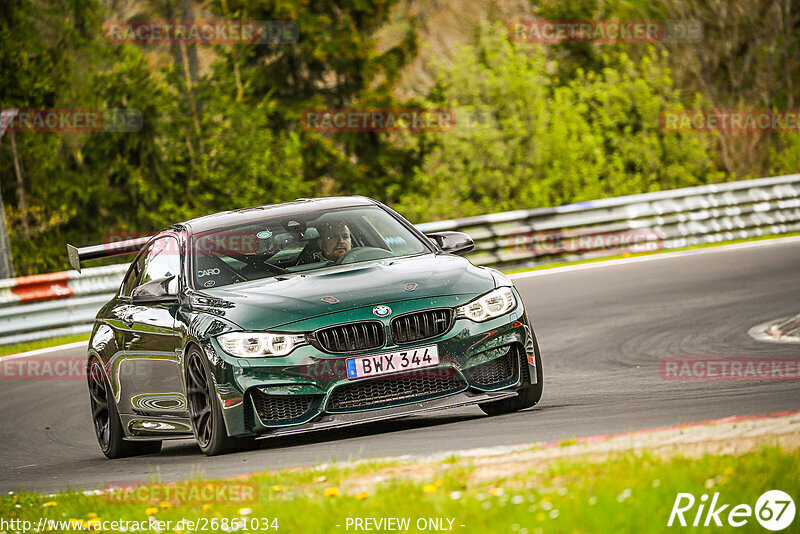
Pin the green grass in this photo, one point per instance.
(42, 343)
(555, 264)
(628, 492)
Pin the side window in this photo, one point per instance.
(132, 278)
(161, 259)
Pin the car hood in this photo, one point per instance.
(273, 302)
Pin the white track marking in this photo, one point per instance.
(46, 350)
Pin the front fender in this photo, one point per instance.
(199, 329)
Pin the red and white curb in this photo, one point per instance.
(60, 285)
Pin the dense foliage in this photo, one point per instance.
(529, 141)
(536, 125)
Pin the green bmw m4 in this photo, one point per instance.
(308, 315)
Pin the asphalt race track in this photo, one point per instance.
(602, 331)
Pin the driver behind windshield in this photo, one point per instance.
(334, 240)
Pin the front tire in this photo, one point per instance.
(204, 410)
(105, 417)
(526, 396)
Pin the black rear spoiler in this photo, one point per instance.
(118, 248)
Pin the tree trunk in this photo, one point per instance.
(23, 205)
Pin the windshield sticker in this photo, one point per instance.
(266, 234)
(207, 272)
(209, 283)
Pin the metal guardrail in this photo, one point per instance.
(43, 306)
(649, 221)
(57, 304)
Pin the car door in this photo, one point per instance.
(151, 340)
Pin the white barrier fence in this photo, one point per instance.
(43, 306)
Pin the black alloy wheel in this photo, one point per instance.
(98, 393)
(205, 412)
(199, 397)
(105, 418)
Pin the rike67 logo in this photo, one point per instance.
(774, 510)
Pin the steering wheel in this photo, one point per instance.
(362, 254)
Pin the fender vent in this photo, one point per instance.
(494, 371)
(273, 409)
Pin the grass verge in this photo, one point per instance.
(624, 492)
(42, 343)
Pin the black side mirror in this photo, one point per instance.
(154, 291)
(453, 242)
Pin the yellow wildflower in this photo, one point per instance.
(152, 510)
(363, 495)
(332, 492)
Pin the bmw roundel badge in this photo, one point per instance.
(381, 311)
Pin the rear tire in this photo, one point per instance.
(205, 412)
(526, 396)
(105, 417)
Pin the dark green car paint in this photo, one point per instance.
(143, 347)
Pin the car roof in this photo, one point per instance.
(287, 209)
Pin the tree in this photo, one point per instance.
(546, 143)
(336, 63)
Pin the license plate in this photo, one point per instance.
(381, 364)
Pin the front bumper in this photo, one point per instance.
(479, 362)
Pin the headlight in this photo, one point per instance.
(492, 304)
(258, 344)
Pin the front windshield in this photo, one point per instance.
(303, 242)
